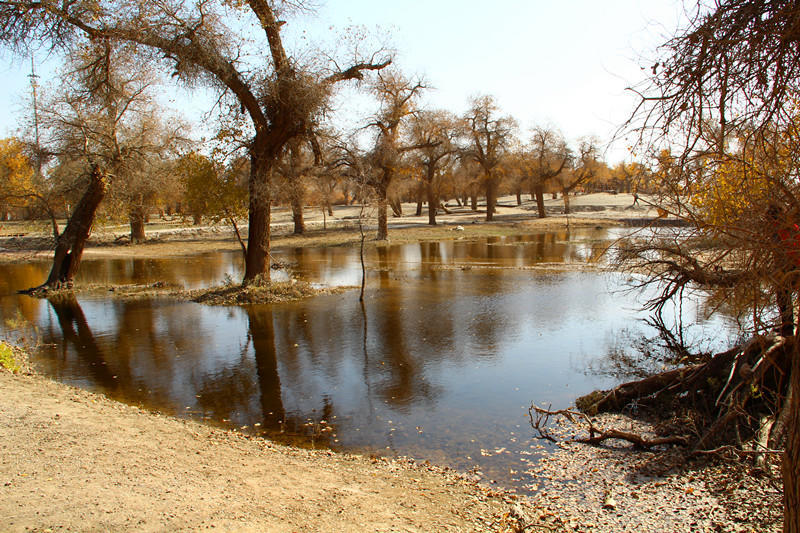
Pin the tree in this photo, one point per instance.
(435, 133)
(214, 190)
(489, 137)
(148, 148)
(719, 116)
(547, 158)
(294, 171)
(89, 127)
(277, 94)
(199, 176)
(397, 97)
(17, 187)
(585, 167)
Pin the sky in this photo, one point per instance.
(563, 64)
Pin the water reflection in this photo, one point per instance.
(441, 362)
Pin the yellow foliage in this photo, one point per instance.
(731, 191)
(16, 171)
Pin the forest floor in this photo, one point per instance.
(77, 461)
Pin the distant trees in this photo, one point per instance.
(397, 96)
(488, 139)
(435, 134)
(546, 158)
(586, 165)
(17, 185)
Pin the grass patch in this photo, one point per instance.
(260, 293)
(7, 358)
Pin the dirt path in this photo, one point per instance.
(76, 461)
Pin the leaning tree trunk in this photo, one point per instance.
(137, 225)
(791, 457)
(70, 244)
(258, 233)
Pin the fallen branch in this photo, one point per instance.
(539, 419)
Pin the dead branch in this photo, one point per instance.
(539, 419)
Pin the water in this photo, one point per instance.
(454, 341)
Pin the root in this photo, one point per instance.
(748, 386)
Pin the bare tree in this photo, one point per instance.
(585, 167)
(435, 132)
(546, 159)
(95, 126)
(277, 94)
(489, 137)
(397, 96)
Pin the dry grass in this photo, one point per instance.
(259, 293)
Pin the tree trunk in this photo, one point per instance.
(258, 233)
(786, 311)
(791, 457)
(70, 244)
(538, 191)
(297, 214)
(473, 200)
(519, 197)
(197, 219)
(329, 208)
(433, 201)
(383, 225)
(397, 207)
(137, 225)
(565, 197)
(491, 197)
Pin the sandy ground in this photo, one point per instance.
(76, 461)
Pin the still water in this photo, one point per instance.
(453, 343)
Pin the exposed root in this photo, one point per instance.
(732, 397)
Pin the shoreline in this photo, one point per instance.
(18, 243)
(75, 461)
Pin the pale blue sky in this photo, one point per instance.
(562, 63)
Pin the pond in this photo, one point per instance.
(454, 341)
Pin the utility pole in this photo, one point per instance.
(33, 76)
